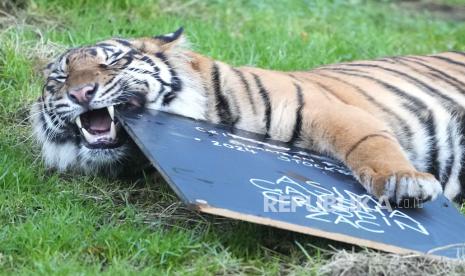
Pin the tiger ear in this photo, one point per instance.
(161, 43)
(170, 40)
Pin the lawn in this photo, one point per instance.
(68, 224)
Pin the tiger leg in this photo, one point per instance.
(380, 164)
(374, 155)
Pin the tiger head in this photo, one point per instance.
(74, 119)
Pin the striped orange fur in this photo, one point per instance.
(396, 122)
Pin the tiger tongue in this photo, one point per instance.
(99, 120)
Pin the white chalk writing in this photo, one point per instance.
(249, 145)
(331, 205)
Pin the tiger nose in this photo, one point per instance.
(82, 94)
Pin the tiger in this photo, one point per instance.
(397, 122)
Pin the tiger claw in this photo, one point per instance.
(405, 188)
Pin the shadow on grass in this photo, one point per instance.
(156, 205)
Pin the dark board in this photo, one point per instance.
(244, 176)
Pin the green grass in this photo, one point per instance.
(69, 224)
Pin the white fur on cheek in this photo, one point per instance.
(189, 103)
(59, 156)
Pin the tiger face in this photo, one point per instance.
(74, 119)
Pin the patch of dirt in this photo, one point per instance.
(374, 263)
(436, 8)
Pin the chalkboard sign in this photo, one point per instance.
(244, 176)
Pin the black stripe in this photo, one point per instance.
(92, 51)
(458, 53)
(61, 105)
(403, 124)
(326, 89)
(59, 113)
(113, 76)
(142, 71)
(105, 52)
(127, 60)
(176, 84)
(134, 53)
(110, 88)
(44, 123)
(296, 132)
(122, 97)
(143, 82)
(451, 104)
(266, 102)
(307, 78)
(417, 108)
(60, 138)
(51, 88)
(47, 105)
(418, 83)
(136, 96)
(443, 76)
(448, 60)
(449, 82)
(293, 76)
(222, 105)
(160, 93)
(445, 174)
(115, 56)
(362, 140)
(431, 128)
(150, 62)
(388, 60)
(53, 118)
(155, 75)
(49, 133)
(123, 42)
(168, 98)
(237, 114)
(56, 120)
(48, 130)
(107, 46)
(246, 86)
(461, 196)
(59, 79)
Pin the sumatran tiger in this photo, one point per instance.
(398, 123)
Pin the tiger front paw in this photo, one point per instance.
(402, 186)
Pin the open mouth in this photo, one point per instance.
(99, 128)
